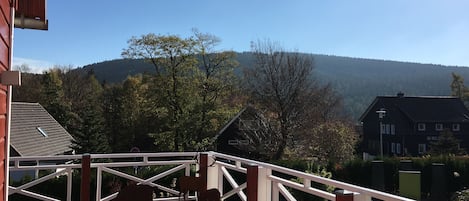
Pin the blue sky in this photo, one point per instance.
(88, 31)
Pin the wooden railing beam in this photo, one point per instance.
(85, 177)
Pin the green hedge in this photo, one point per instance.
(358, 172)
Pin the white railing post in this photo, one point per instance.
(361, 197)
(219, 173)
(264, 184)
(69, 183)
(275, 191)
(212, 173)
(99, 182)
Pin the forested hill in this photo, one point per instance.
(358, 81)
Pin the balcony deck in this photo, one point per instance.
(236, 178)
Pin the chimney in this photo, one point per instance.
(400, 94)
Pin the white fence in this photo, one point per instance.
(265, 181)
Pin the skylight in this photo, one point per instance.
(42, 131)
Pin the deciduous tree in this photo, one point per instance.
(329, 142)
(215, 81)
(186, 92)
(282, 83)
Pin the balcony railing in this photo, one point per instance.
(234, 176)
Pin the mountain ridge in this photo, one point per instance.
(357, 80)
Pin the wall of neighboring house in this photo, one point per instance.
(398, 132)
(5, 63)
(406, 133)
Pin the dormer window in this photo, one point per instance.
(455, 127)
(421, 126)
(438, 127)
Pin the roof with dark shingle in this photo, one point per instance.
(28, 120)
(425, 108)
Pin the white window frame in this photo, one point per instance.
(398, 148)
(422, 148)
(233, 142)
(393, 129)
(388, 129)
(455, 127)
(438, 127)
(421, 127)
(393, 147)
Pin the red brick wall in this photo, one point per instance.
(5, 54)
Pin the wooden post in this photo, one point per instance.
(342, 195)
(252, 182)
(85, 177)
(203, 164)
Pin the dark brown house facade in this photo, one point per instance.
(405, 126)
(244, 135)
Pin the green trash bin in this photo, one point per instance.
(409, 184)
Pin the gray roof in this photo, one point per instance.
(28, 120)
(423, 108)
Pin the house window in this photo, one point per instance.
(388, 129)
(438, 127)
(422, 148)
(398, 148)
(393, 147)
(455, 127)
(383, 128)
(430, 138)
(421, 126)
(238, 142)
(393, 129)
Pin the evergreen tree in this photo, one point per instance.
(458, 88)
(53, 98)
(446, 144)
(90, 136)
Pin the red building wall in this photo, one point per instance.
(5, 63)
